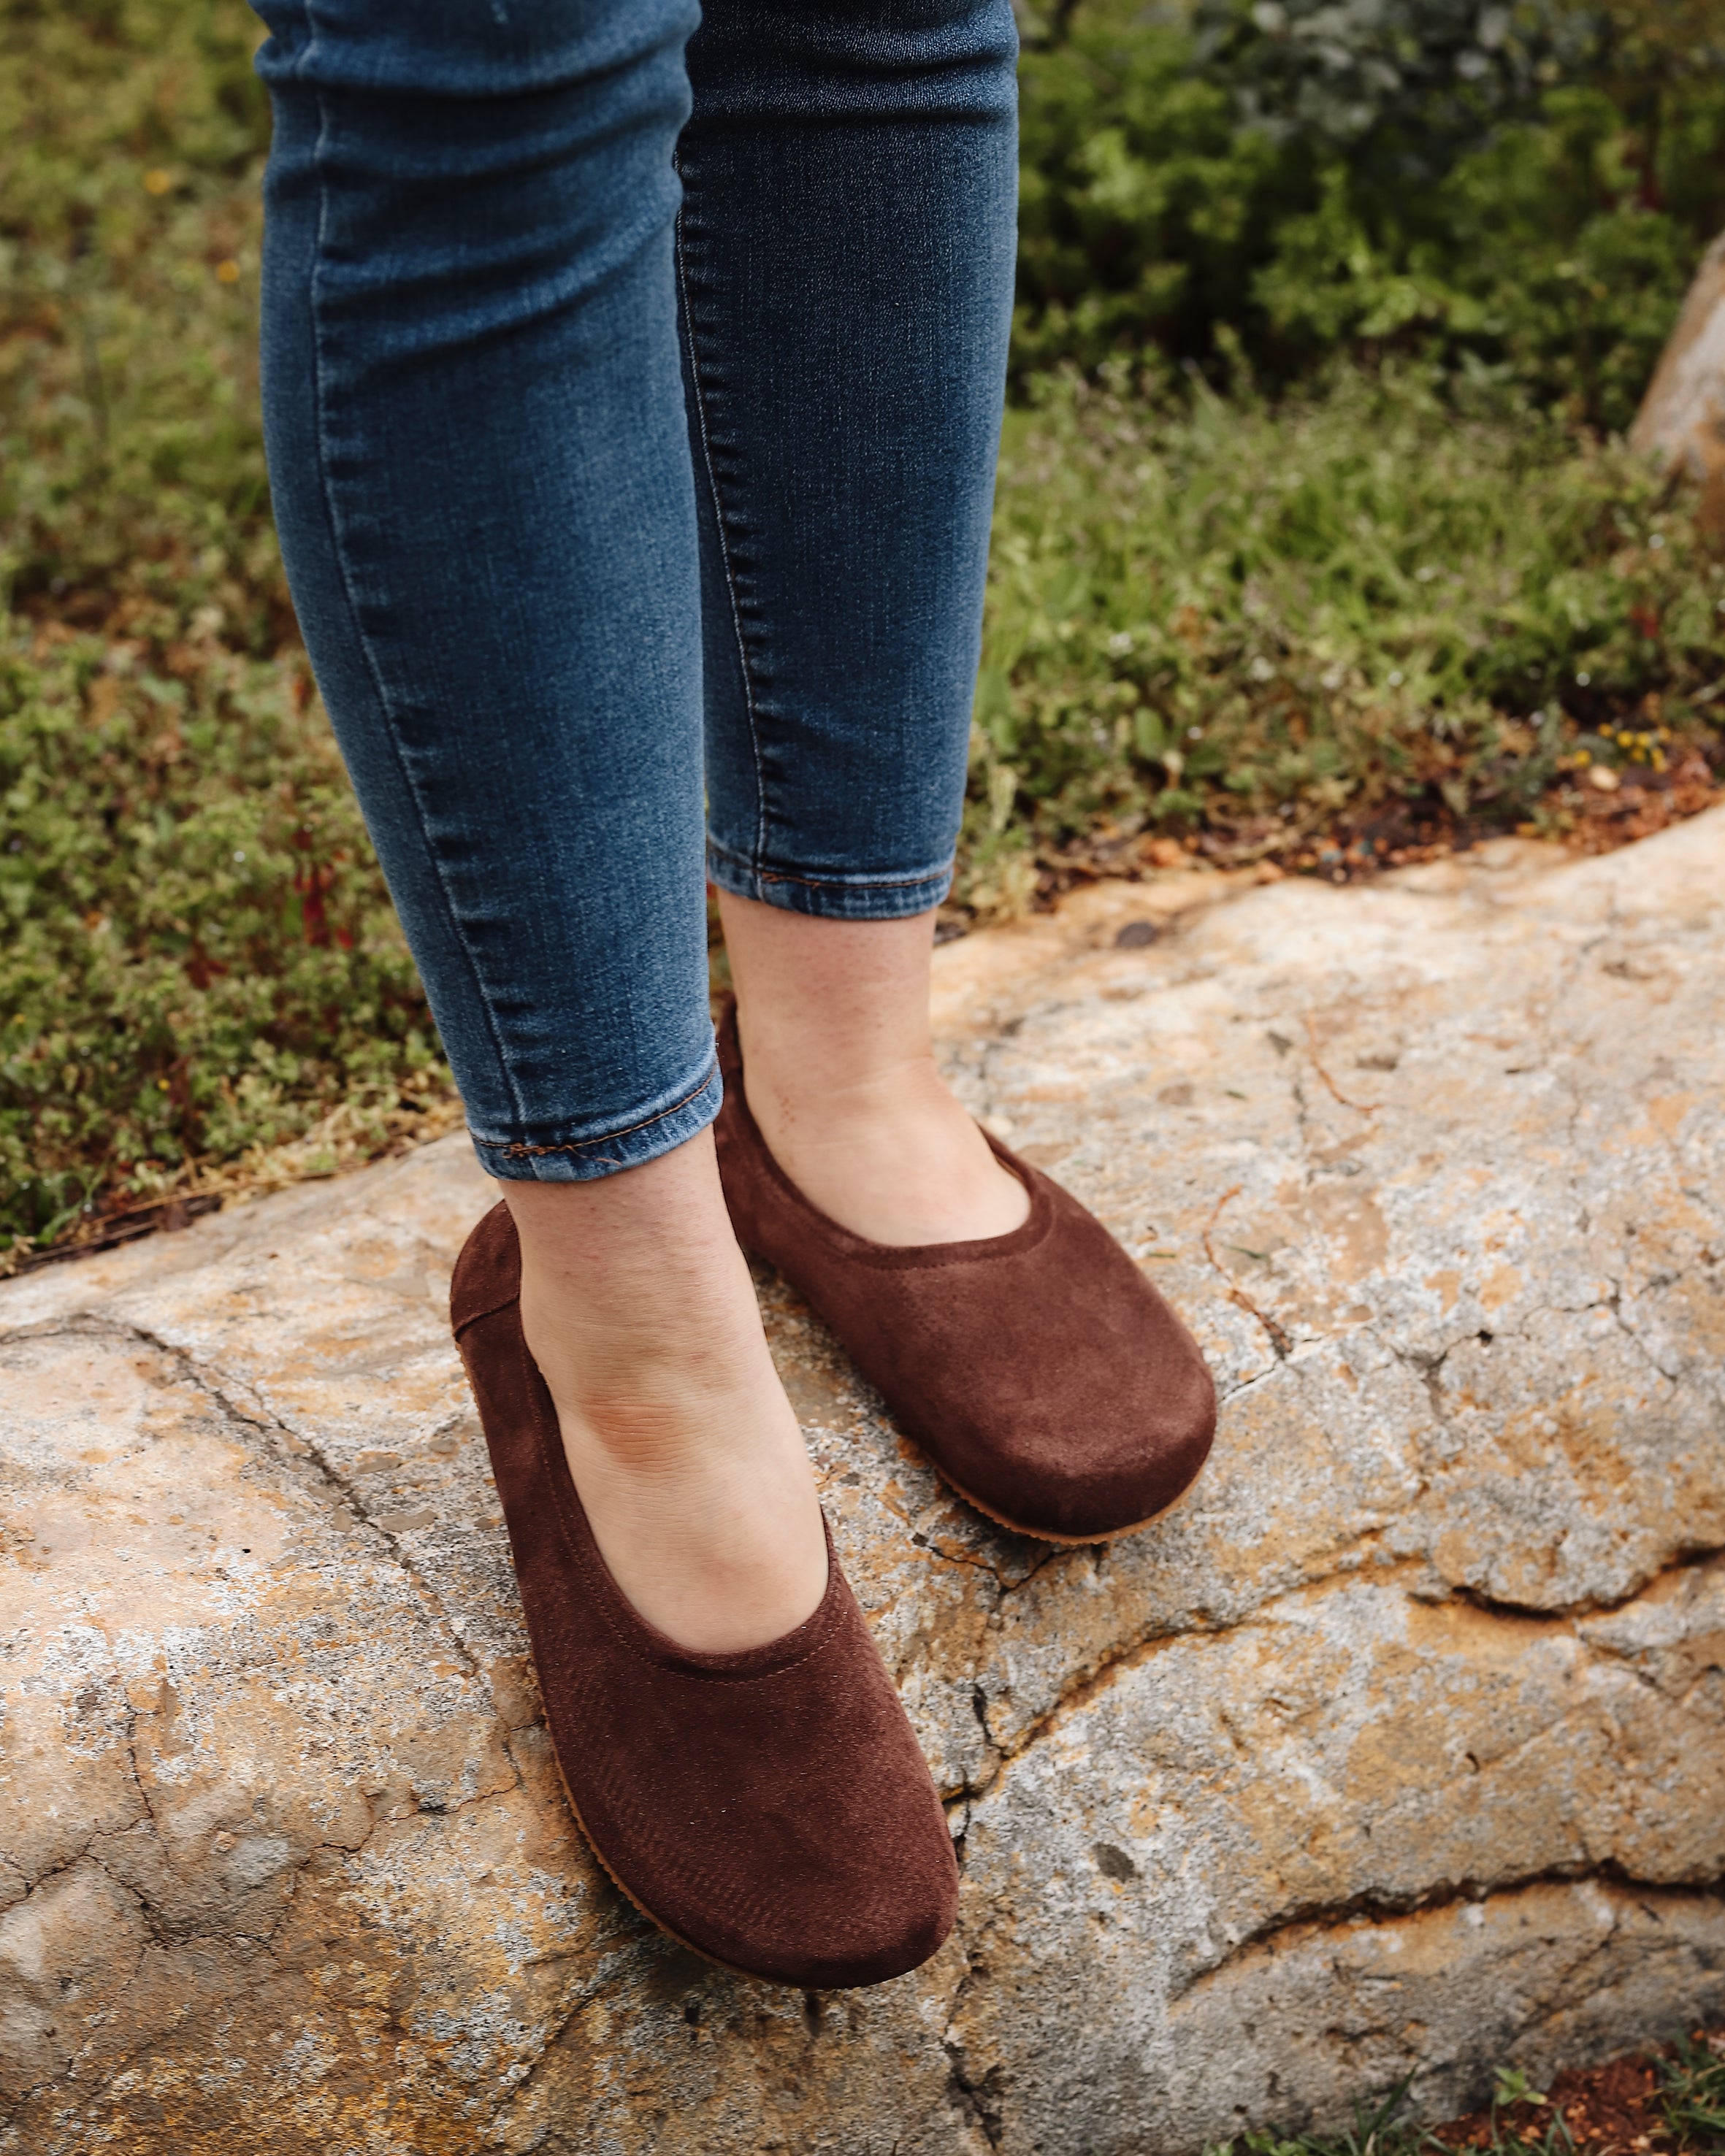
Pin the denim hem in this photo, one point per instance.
(834, 898)
(585, 1160)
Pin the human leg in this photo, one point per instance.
(846, 251)
(639, 1309)
(839, 1061)
(845, 247)
(480, 459)
(477, 441)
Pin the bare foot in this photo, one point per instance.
(839, 1068)
(638, 1308)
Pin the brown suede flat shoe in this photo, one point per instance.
(1040, 1371)
(769, 1809)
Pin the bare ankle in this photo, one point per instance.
(637, 1306)
(633, 1293)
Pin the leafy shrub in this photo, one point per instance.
(1428, 78)
(196, 953)
(1518, 187)
(1144, 205)
(1360, 611)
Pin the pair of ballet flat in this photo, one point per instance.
(772, 1809)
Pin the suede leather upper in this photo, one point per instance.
(1039, 1370)
(770, 1808)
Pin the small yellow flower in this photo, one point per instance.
(228, 271)
(158, 181)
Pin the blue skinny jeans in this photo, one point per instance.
(632, 380)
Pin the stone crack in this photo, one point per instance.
(1277, 1335)
(1095, 1680)
(978, 2099)
(1330, 1916)
(212, 1383)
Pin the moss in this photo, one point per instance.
(1377, 612)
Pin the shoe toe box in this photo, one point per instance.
(786, 1827)
(1102, 1427)
(853, 1876)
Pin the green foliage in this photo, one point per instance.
(1693, 2096)
(1265, 625)
(1516, 187)
(1384, 2131)
(1434, 73)
(1510, 2084)
(1361, 604)
(132, 466)
(198, 957)
(1145, 206)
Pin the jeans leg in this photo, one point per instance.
(846, 249)
(479, 454)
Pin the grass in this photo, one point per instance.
(201, 979)
(1391, 614)
(1692, 2098)
(201, 964)
(1379, 616)
(1670, 2099)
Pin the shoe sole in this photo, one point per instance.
(1044, 1534)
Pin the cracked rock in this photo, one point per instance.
(1396, 1750)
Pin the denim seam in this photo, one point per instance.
(518, 1149)
(724, 551)
(839, 882)
(853, 883)
(340, 550)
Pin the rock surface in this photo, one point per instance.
(1397, 1749)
